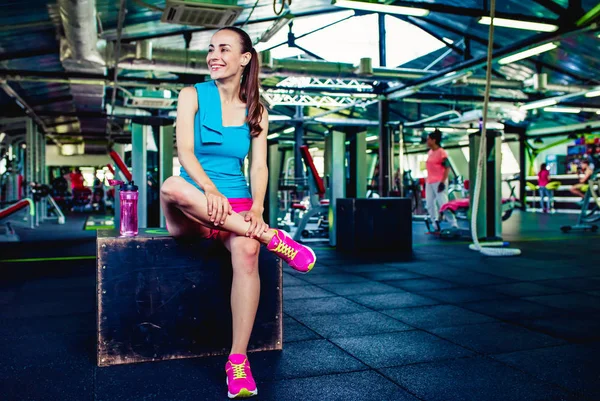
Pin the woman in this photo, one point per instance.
(217, 121)
(543, 180)
(438, 169)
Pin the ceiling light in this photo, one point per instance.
(539, 104)
(272, 136)
(527, 53)
(562, 109)
(2, 135)
(289, 130)
(511, 23)
(381, 8)
(369, 151)
(593, 93)
(276, 27)
(372, 138)
(277, 117)
(463, 143)
(448, 40)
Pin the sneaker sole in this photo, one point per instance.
(244, 393)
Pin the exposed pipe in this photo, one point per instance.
(80, 27)
(435, 117)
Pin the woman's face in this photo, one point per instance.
(225, 58)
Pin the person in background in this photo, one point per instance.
(438, 169)
(77, 181)
(587, 170)
(543, 180)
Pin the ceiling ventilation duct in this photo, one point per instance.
(78, 53)
(208, 13)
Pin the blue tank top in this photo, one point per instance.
(220, 150)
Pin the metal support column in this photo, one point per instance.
(299, 141)
(335, 172)
(384, 149)
(358, 153)
(489, 216)
(165, 160)
(274, 164)
(382, 41)
(524, 169)
(30, 169)
(401, 159)
(139, 166)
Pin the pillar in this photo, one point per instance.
(299, 141)
(272, 203)
(489, 216)
(335, 172)
(385, 149)
(165, 159)
(139, 165)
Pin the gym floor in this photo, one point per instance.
(448, 324)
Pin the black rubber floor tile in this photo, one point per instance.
(525, 289)
(511, 309)
(335, 278)
(190, 379)
(292, 281)
(7, 296)
(582, 303)
(70, 303)
(304, 292)
(399, 299)
(321, 306)
(495, 338)
(575, 284)
(356, 386)
(353, 324)
(461, 295)
(370, 268)
(41, 350)
(396, 349)
(303, 359)
(472, 379)
(566, 326)
(72, 381)
(372, 287)
(422, 284)
(81, 323)
(574, 367)
(473, 279)
(294, 331)
(390, 275)
(594, 293)
(429, 317)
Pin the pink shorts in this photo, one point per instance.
(238, 205)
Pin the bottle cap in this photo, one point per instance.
(128, 187)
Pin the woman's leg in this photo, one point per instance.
(178, 194)
(245, 288)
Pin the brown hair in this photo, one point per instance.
(249, 90)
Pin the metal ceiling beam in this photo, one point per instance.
(484, 42)
(552, 6)
(28, 53)
(30, 112)
(471, 12)
(134, 38)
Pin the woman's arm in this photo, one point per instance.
(187, 106)
(259, 173)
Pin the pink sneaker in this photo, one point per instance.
(299, 257)
(240, 383)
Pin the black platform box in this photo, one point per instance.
(159, 298)
(381, 224)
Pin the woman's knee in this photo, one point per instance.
(248, 253)
(173, 191)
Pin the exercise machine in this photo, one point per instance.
(590, 209)
(8, 233)
(314, 222)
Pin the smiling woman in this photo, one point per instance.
(217, 121)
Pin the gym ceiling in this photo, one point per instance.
(58, 67)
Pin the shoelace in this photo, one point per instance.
(286, 250)
(238, 370)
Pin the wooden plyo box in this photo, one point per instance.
(159, 298)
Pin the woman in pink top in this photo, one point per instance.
(543, 180)
(438, 168)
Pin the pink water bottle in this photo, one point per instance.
(128, 194)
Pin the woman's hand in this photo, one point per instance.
(257, 225)
(218, 206)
